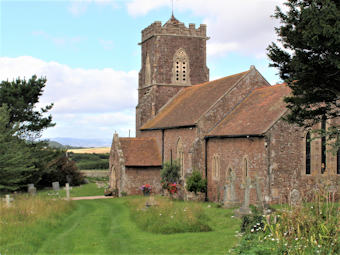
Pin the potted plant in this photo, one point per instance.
(146, 189)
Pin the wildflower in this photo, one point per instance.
(296, 239)
(252, 230)
(160, 214)
(273, 239)
(319, 246)
(209, 206)
(172, 217)
(258, 224)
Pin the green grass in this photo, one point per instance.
(105, 227)
(90, 189)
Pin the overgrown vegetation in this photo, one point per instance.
(23, 225)
(89, 161)
(167, 216)
(308, 228)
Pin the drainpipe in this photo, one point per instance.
(162, 147)
(206, 139)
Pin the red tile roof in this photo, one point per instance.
(256, 113)
(140, 152)
(191, 103)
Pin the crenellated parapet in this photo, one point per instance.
(174, 27)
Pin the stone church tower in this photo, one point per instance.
(173, 57)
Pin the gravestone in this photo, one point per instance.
(226, 194)
(294, 197)
(229, 192)
(67, 188)
(244, 209)
(31, 189)
(55, 186)
(8, 200)
(258, 182)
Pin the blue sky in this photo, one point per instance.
(88, 50)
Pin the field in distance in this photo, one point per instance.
(98, 150)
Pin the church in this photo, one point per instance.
(230, 129)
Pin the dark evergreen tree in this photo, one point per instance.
(309, 60)
(16, 163)
(21, 97)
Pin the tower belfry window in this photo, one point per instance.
(181, 68)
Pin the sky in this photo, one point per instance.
(88, 51)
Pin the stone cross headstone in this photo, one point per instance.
(31, 189)
(67, 188)
(55, 186)
(258, 182)
(8, 200)
(295, 197)
(244, 209)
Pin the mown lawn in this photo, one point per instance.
(105, 227)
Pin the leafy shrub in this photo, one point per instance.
(195, 183)
(170, 173)
(167, 217)
(64, 171)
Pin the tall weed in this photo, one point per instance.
(167, 216)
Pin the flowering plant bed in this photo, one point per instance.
(146, 189)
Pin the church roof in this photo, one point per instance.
(191, 103)
(140, 152)
(256, 113)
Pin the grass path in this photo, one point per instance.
(104, 227)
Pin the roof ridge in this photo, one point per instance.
(272, 86)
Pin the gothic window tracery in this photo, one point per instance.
(181, 68)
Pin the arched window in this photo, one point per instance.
(323, 145)
(216, 166)
(308, 151)
(180, 156)
(147, 71)
(181, 68)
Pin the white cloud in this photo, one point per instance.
(85, 100)
(241, 26)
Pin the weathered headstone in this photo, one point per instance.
(8, 200)
(31, 189)
(55, 186)
(226, 194)
(231, 200)
(244, 209)
(295, 197)
(258, 182)
(67, 188)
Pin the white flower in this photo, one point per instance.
(252, 230)
(296, 239)
(172, 217)
(273, 239)
(160, 214)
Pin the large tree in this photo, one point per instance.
(16, 163)
(308, 59)
(22, 96)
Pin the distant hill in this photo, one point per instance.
(54, 144)
(68, 142)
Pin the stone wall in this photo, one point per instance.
(138, 176)
(232, 152)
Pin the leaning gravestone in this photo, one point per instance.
(31, 189)
(55, 186)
